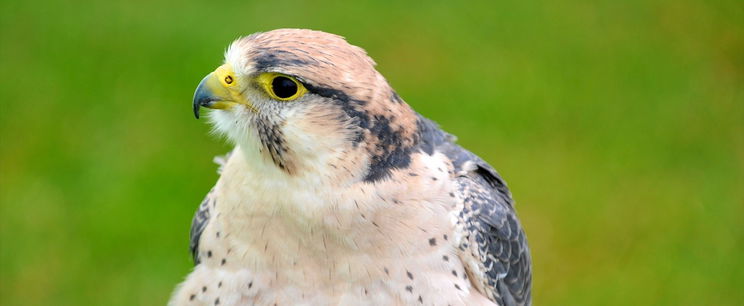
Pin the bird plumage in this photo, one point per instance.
(345, 195)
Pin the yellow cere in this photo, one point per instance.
(226, 75)
(266, 80)
(224, 84)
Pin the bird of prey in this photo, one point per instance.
(338, 193)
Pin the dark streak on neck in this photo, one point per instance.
(272, 139)
(387, 147)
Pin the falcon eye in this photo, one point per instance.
(283, 87)
(228, 80)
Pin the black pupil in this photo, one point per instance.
(283, 87)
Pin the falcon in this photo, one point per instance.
(338, 193)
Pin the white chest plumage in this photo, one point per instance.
(378, 244)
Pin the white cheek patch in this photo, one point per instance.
(233, 123)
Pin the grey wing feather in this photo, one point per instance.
(201, 218)
(492, 236)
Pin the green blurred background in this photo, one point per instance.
(618, 124)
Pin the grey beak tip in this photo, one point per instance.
(201, 96)
(196, 110)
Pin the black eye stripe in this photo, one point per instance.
(283, 87)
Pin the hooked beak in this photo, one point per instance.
(211, 94)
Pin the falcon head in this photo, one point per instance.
(301, 103)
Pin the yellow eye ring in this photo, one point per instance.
(228, 80)
(281, 87)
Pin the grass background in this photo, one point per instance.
(619, 126)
